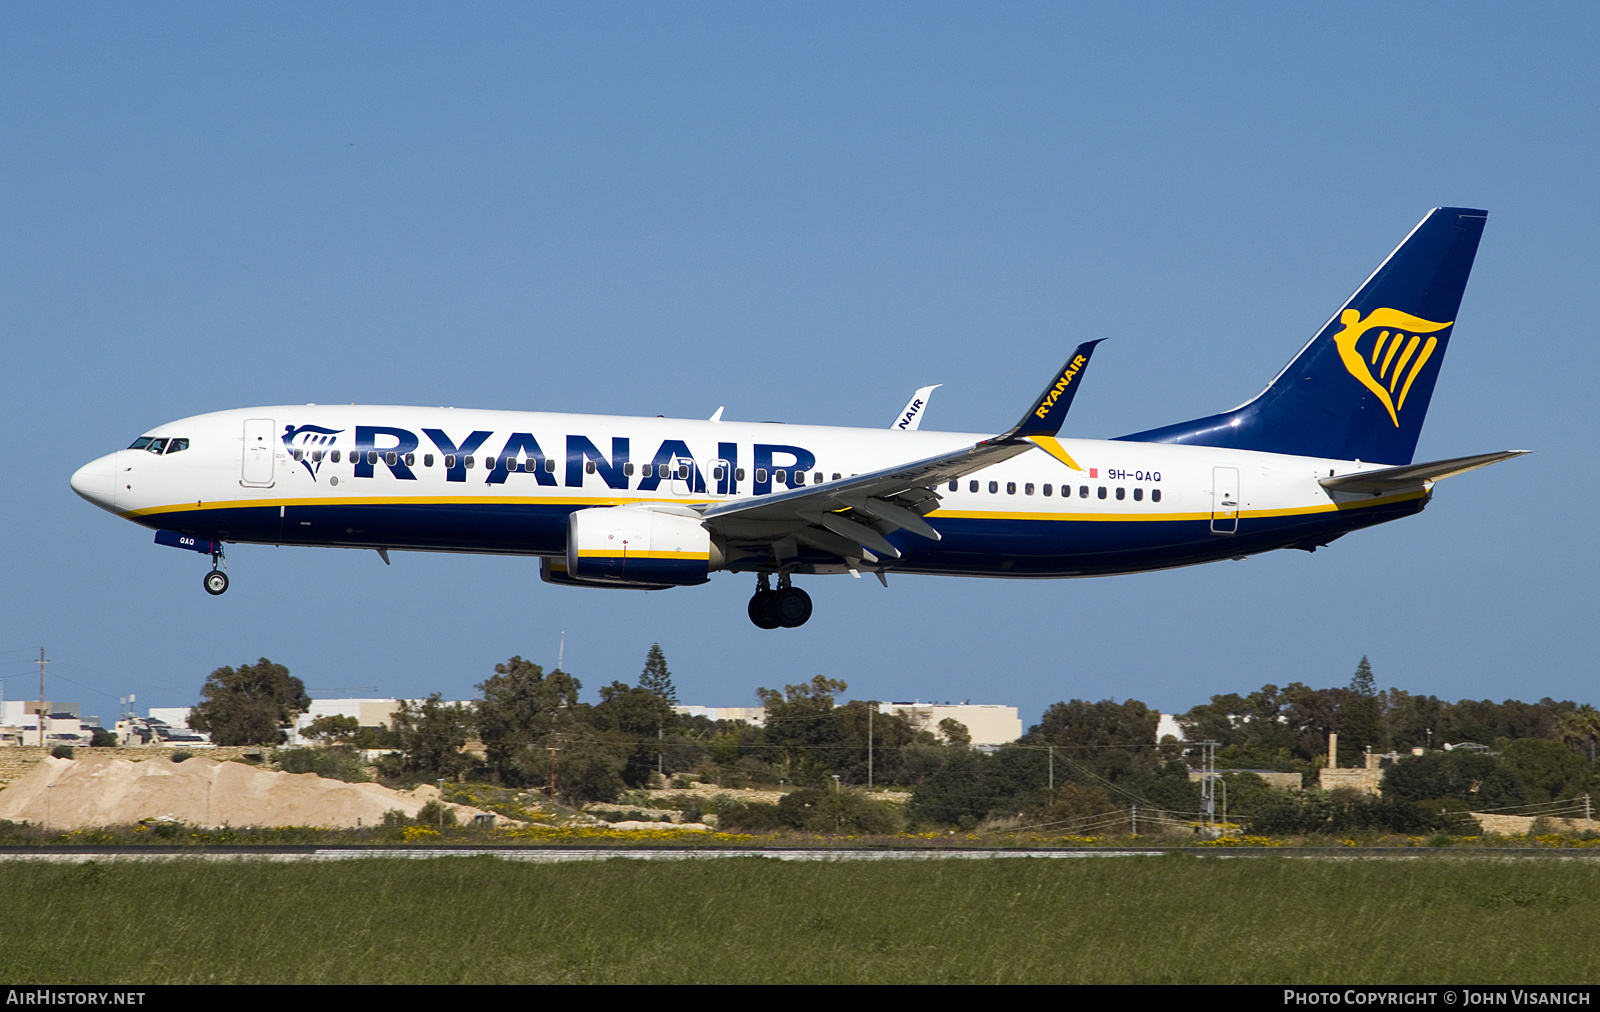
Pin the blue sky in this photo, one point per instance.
(802, 212)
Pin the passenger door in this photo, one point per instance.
(259, 450)
(1225, 500)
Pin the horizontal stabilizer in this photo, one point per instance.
(1412, 475)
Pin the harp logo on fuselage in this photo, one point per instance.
(1397, 345)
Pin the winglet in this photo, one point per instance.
(1050, 410)
(910, 417)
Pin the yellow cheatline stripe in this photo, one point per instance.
(1050, 445)
(449, 500)
(595, 553)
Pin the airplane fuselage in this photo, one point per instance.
(505, 482)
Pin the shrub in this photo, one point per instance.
(180, 755)
(62, 752)
(436, 814)
(331, 763)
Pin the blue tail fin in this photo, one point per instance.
(1360, 389)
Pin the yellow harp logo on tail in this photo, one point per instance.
(1395, 347)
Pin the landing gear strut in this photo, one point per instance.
(216, 581)
(788, 606)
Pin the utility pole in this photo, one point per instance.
(1208, 787)
(552, 772)
(873, 708)
(42, 663)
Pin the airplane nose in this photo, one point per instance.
(96, 481)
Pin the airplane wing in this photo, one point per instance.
(910, 417)
(1393, 479)
(848, 516)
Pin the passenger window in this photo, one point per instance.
(316, 456)
(1011, 488)
(1102, 491)
(550, 465)
(780, 477)
(761, 475)
(297, 454)
(449, 459)
(627, 469)
(468, 461)
(1083, 491)
(336, 456)
(799, 477)
(836, 478)
(955, 484)
(177, 445)
(391, 458)
(1047, 488)
(1121, 492)
(648, 470)
(738, 474)
(427, 460)
(719, 473)
(1027, 489)
(972, 486)
(1138, 494)
(1155, 495)
(411, 458)
(140, 443)
(588, 467)
(994, 487)
(372, 456)
(816, 479)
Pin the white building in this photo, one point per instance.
(987, 723)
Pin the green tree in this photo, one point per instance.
(643, 717)
(804, 731)
(429, 736)
(1548, 770)
(1360, 717)
(252, 705)
(1476, 778)
(520, 705)
(955, 733)
(332, 729)
(655, 677)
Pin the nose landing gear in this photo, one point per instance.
(787, 607)
(216, 581)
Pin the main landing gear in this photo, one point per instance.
(788, 606)
(216, 581)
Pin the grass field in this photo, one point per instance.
(459, 920)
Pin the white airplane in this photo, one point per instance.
(652, 503)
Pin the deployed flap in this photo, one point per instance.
(1412, 475)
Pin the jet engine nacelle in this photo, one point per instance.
(633, 546)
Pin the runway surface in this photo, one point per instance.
(558, 855)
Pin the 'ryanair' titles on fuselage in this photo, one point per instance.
(385, 446)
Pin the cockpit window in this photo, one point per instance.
(140, 443)
(176, 445)
(156, 446)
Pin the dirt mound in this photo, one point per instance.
(107, 791)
